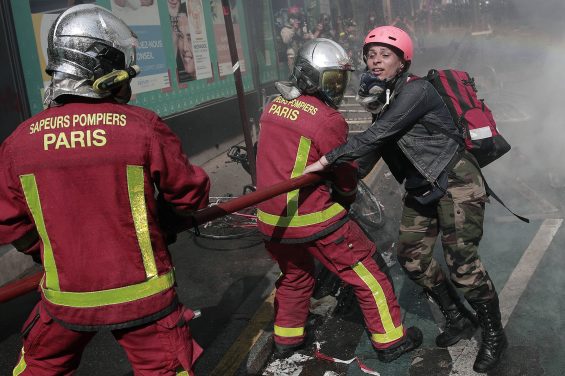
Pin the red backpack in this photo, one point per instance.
(470, 114)
(473, 117)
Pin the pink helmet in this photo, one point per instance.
(393, 36)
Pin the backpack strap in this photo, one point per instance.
(490, 192)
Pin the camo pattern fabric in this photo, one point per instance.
(459, 216)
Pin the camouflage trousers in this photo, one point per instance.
(459, 217)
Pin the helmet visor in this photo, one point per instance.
(333, 84)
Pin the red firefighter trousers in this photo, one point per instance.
(159, 348)
(347, 252)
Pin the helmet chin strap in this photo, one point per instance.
(123, 94)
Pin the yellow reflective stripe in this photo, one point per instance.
(292, 218)
(31, 193)
(182, 372)
(118, 295)
(139, 212)
(298, 169)
(387, 337)
(21, 366)
(300, 220)
(288, 332)
(391, 333)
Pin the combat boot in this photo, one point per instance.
(412, 340)
(494, 340)
(459, 321)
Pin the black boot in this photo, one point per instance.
(494, 340)
(284, 351)
(412, 340)
(459, 321)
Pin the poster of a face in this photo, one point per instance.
(186, 69)
(189, 40)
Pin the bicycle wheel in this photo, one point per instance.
(236, 225)
(366, 209)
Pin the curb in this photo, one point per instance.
(259, 355)
(227, 356)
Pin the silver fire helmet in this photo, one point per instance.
(322, 67)
(84, 43)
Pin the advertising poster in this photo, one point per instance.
(190, 41)
(224, 57)
(143, 18)
(43, 15)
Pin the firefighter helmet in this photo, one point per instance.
(85, 43)
(322, 67)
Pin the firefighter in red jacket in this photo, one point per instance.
(78, 182)
(297, 128)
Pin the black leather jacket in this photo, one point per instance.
(400, 136)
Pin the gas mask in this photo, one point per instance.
(373, 93)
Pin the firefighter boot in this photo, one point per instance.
(459, 321)
(494, 340)
(412, 340)
(281, 351)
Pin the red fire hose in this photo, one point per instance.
(29, 283)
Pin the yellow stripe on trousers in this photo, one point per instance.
(391, 333)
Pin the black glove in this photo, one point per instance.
(29, 244)
(370, 85)
(168, 220)
(344, 199)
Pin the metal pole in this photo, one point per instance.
(239, 88)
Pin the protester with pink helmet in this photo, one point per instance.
(415, 135)
(392, 36)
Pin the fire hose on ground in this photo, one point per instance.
(30, 282)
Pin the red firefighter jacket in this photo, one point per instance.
(84, 175)
(293, 135)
